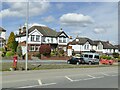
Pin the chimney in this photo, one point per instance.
(20, 30)
(107, 41)
(24, 29)
(70, 38)
(77, 39)
(61, 30)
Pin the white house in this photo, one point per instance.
(38, 35)
(2, 36)
(80, 44)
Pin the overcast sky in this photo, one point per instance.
(95, 20)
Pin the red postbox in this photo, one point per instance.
(15, 62)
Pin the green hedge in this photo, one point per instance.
(9, 54)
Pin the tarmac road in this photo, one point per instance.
(103, 77)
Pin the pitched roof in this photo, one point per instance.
(2, 30)
(82, 41)
(106, 44)
(44, 30)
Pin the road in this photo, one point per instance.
(103, 77)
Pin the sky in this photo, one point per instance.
(95, 20)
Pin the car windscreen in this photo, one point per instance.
(96, 56)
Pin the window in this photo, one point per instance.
(60, 40)
(52, 40)
(37, 38)
(86, 47)
(32, 37)
(96, 57)
(86, 56)
(32, 48)
(64, 40)
(90, 56)
(37, 48)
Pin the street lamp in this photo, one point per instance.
(27, 15)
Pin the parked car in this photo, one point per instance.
(90, 58)
(74, 60)
(105, 61)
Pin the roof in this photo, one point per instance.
(82, 41)
(44, 30)
(107, 45)
(2, 30)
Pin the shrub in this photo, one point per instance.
(45, 50)
(115, 55)
(103, 57)
(2, 49)
(9, 54)
(61, 52)
(19, 51)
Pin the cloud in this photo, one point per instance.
(18, 9)
(100, 30)
(36, 24)
(76, 19)
(49, 19)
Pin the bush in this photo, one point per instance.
(45, 50)
(103, 57)
(115, 55)
(2, 49)
(38, 55)
(61, 52)
(19, 51)
(9, 54)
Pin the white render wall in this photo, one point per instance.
(3, 35)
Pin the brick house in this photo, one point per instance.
(82, 44)
(2, 37)
(38, 35)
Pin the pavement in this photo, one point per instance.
(103, 77)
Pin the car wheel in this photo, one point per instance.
(68, 62)
(90, 63)
(83, 62)
(77, 63)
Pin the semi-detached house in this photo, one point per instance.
(82, 44)
(38, 35)
(2, 37)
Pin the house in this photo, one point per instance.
(2, 36)
(83, 44)
(38, 35)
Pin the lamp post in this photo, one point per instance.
(27, 15)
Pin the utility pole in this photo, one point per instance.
(27, 16)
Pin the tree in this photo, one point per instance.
(19, 51)
(45, 50)
(12, 44)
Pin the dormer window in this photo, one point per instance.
(32, 37)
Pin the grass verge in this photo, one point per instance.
(7, 66)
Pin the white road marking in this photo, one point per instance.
(29, 86)
(48, 84)
(69, 78)
(40, 82)
(91, 76)
(38, 85)
(105, 74)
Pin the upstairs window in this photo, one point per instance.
(32, 37)
(37, 38)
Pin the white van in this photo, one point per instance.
(90, 58)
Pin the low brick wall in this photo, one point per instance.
(55, 58)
